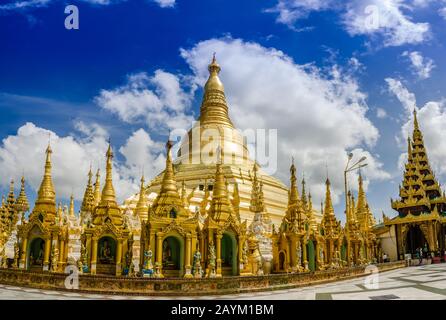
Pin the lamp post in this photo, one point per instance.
(357, 165)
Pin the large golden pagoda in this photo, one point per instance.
(422, 205)
(195, 163)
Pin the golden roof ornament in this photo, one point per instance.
(168, 196)
(71, 209)
(108, 197)
(22, 203)
(97, 188)
(88, 202)
(46, 196)
(257, 203)
(294, 194)
(214, 108)
(141, 206)
(220, 208)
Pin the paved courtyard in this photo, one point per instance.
(416, 283)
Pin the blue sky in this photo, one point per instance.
(83, 86)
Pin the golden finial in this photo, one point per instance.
(22, 200)
(141, 206)
(46, 196)
(97, 188)
(71, 210)
(214, 67)
(108, 192)
(257, 204)
(294, 195)
(169, 184)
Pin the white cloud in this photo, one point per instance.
(387, 18)
(421, 66)
(381, 113)
(406, 98)
(159, 99)
(30, 4)
(165, 3)
(20, 5)
(318, 116)
(442, 12)
(71, 158)
(289, 11)
(431, 118)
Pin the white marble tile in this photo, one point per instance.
(403, 293)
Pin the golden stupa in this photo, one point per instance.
(195, 164)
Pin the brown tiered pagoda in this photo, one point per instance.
(421, 208)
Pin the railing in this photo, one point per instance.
(183, 287)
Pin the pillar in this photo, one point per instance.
(61, 254)
(293, 257)
(187, 255)
(94, 255)
(119, 258)
(46, 258)
(304, 255)
(159, 253)
(218, 249)
(22, 264)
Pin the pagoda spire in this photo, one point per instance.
(328, 210)
(214, 108)
(46, 193)
(97, 188)
(141, 206)
(22, 203)
(184, 195)
(221, 208)
(11, 196)
(46, 196)
(257, 204)
(304, 196)
(362, 200)
(294, 194)
(168, 184)
(88, 202)
(169, 195)
(108, 192)
(71, 209)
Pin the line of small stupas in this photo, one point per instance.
(52, 237)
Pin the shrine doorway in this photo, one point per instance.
(415, 239)
(282, 261)
(311, 256)
(106, 256)
(172, 256)
(344, 250)
(36, 253)
(228, 254)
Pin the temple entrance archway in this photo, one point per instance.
(228, 254)
(311, 255)
(106, 260)
(415, 239)
(172, 256)
(36, 252)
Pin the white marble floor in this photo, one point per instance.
(413, 283)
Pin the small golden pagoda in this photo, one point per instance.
(289, 247)
(44, 235)
(329, 248)
(422, 205)
(170, 230)
(223, 231)
(106, 238)
(364, 216)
